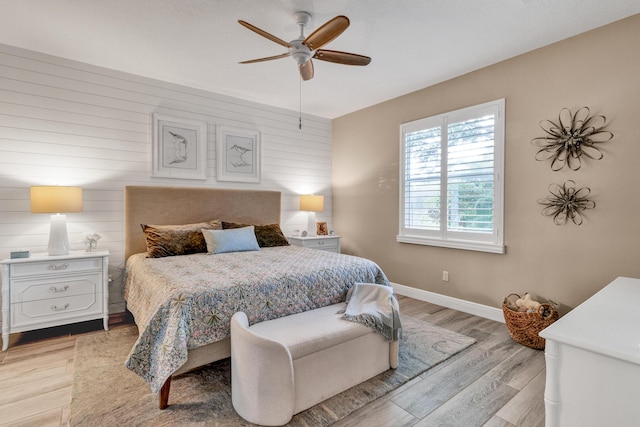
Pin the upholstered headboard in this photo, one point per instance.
(181, 205)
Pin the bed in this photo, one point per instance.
(182, 305)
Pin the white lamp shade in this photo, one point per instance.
(48, 199)
(311, 203)
(54, 199)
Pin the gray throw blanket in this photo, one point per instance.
(376, 307)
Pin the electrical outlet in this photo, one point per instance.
(445, 276)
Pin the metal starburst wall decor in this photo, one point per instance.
(572, 137)
(567, 203)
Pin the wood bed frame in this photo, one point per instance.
(183, 205)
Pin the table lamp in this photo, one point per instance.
(311, 204)
(54, 200)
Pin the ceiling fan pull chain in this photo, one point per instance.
(300, 104)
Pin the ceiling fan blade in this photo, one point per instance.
(327, 32)
(341, 57)
(264, 33)
(306, 70)
(268, 58)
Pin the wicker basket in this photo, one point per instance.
(524, 327)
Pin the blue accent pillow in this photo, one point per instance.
(231, 240)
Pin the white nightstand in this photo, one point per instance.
(324, 243)
(43, 291)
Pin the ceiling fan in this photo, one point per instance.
(303, 49)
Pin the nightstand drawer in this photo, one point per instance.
(37, 312)
(58, 287)
(55, 267)
(325, 244)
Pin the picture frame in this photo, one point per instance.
(238, 155)
(179, 147)
(321, 228)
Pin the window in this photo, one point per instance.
(451, 177)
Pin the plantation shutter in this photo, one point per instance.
(451, 186)
(470, 190)
(423, 187)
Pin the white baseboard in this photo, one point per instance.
(476, 309)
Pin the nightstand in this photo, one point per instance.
(323, 243)
(43, 291)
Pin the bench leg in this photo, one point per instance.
(394, 348)
(164, 394)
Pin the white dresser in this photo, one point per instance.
(43, 291)
(593, 360)
(324, 243)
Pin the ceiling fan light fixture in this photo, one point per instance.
(299, 52)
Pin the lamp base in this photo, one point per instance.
(311, 225)
(58, 238)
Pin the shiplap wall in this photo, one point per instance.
(68, 123)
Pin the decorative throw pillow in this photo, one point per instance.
(267, 235)
(172, 240)
(232, 240)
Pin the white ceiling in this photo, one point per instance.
(198, 43)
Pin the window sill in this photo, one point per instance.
(454, 244)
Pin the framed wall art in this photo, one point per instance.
(321, 229)
(238, 154)
(179, 147)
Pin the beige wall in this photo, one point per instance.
(599, 69)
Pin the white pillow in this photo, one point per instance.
(230, 240)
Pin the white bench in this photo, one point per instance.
(283, 366)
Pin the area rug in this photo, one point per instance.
(106, 393)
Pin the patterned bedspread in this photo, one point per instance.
(184, 302)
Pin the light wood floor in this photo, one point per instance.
(494, 383)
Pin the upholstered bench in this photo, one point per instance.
(283, 366)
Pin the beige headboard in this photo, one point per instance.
(181, 205)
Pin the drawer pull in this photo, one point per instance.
(56, 308)
(58, 266)
(54, 289)
(320, 242)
